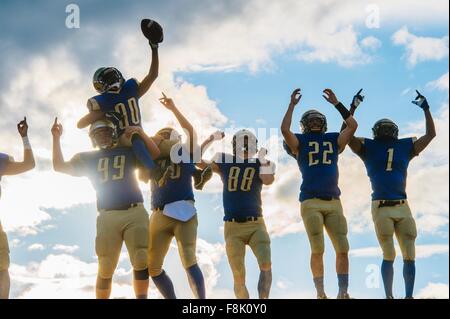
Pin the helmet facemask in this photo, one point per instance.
(385, 129)
(245, 144)
(313, 122)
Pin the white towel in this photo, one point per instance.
(181, 210)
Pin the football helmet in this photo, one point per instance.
(106, 79)
(311, 115)
(385, 128)
(245, 141)
(169, 133)
(101, 141)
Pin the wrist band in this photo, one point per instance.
(26, 143)
(343, 110)
(267, 169)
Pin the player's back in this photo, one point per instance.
(178, 185)
(242, 186)
(387, 162)
(125, 102)
(112, 173)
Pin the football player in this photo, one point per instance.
(243, 175)
(386, 158)
(118, 100)
(316, 152)
(121, 213)
(9, 167)
(174, 214)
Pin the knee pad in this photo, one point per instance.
(140, 259)
(388, 248)
(105, 267)
(154, 271)
(342, 244)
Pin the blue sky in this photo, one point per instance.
(227, 65)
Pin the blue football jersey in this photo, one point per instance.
(387, 163)
(178, 186)
(112, 173)
(241, 186)
(317, 159)
(125, 102)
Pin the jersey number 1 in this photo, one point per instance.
(390, 159)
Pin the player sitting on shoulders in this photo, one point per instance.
(122, 216)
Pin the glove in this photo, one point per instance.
(153, 31)
(421, 101)
(357, 99)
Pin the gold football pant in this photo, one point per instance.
(317, 214)
(116, 227)
(396, 220)
(4, 250)
(162, 230)
(253, 234)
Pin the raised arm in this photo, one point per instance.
(346, 135)
(217, 136)
(149, 142)
(267, 170)
(289, 137)
(185, 124)
(14, 168)
(430, 134)
(355, 143)
(147, 82)
(59, 165)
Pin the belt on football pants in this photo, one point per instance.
(327, 198)
(125, 207)
(391, 203)
(244, 219)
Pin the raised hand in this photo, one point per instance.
(330, 96)
(421, 101)
(357, 99)
(167, 102)
(131, 130)
(296, 97)
(22, 127)
(57, 129)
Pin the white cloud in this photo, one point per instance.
(64, 277)
(422, 251)
(371, 43)
(36, 246)
(420, 49)
(434, 291)
(440, 84)
(66, 249)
